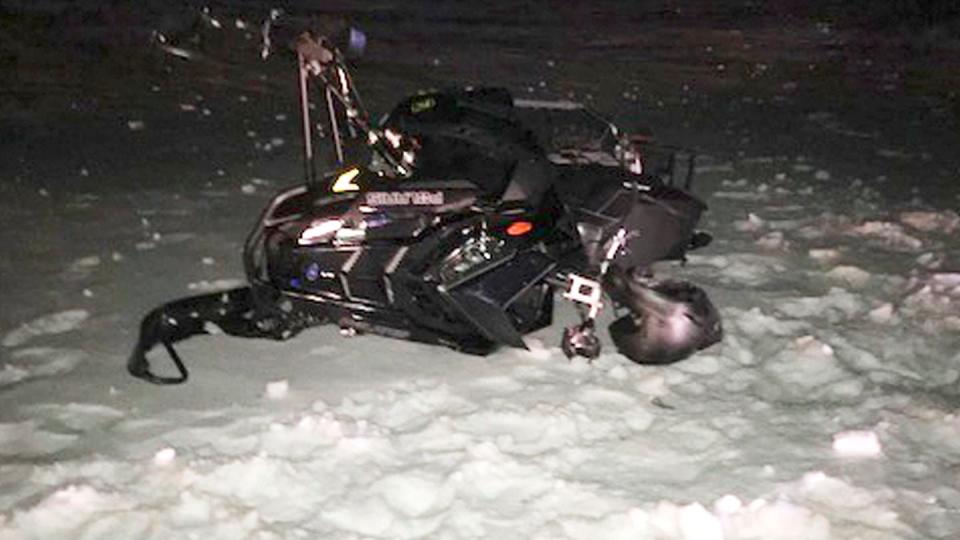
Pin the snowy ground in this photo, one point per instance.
(830, 410)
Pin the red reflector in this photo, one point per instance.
(519, 228)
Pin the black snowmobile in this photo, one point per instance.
(473, 211)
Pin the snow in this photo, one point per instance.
(857, 444)
(277, 389)
(35, 362)
(829, 410)
(944, 222)
(888, 234)
(55, 323)
(164, 457)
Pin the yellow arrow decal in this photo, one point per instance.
(345, 182)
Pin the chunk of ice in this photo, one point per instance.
(277, 389)
(851, 275)
(165, 456)
(882, 314)
(824, 254)
(857, 444)
(56, 323)
(945, 222)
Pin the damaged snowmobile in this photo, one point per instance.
(472, 211)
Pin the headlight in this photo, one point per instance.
(319, 231)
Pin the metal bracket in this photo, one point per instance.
(586, 291)
(615, 245)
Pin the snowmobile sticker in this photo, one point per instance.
(345, 182)
(424, 104)
(404, 198)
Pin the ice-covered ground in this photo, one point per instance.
(830, 409)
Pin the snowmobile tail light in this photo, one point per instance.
(519, 228)
(319, 231)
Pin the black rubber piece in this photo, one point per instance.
(235, 312)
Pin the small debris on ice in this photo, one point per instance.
(86, 262)
(83, 266)
(857, 444)
(773, 241)
(812, 346)
(277, 389)
(728, 504)
(654, 385)
(882, 314)
(890, 234)
(738, 183)
(215, 285)
(945, 222)
(851, 275)
(694, 521)
(930, 260)
(753, 223)
(164, 457)
(618, 373)
(535, 349)
(824, 254)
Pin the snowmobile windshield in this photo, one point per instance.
(468, 135)
(447, 158)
